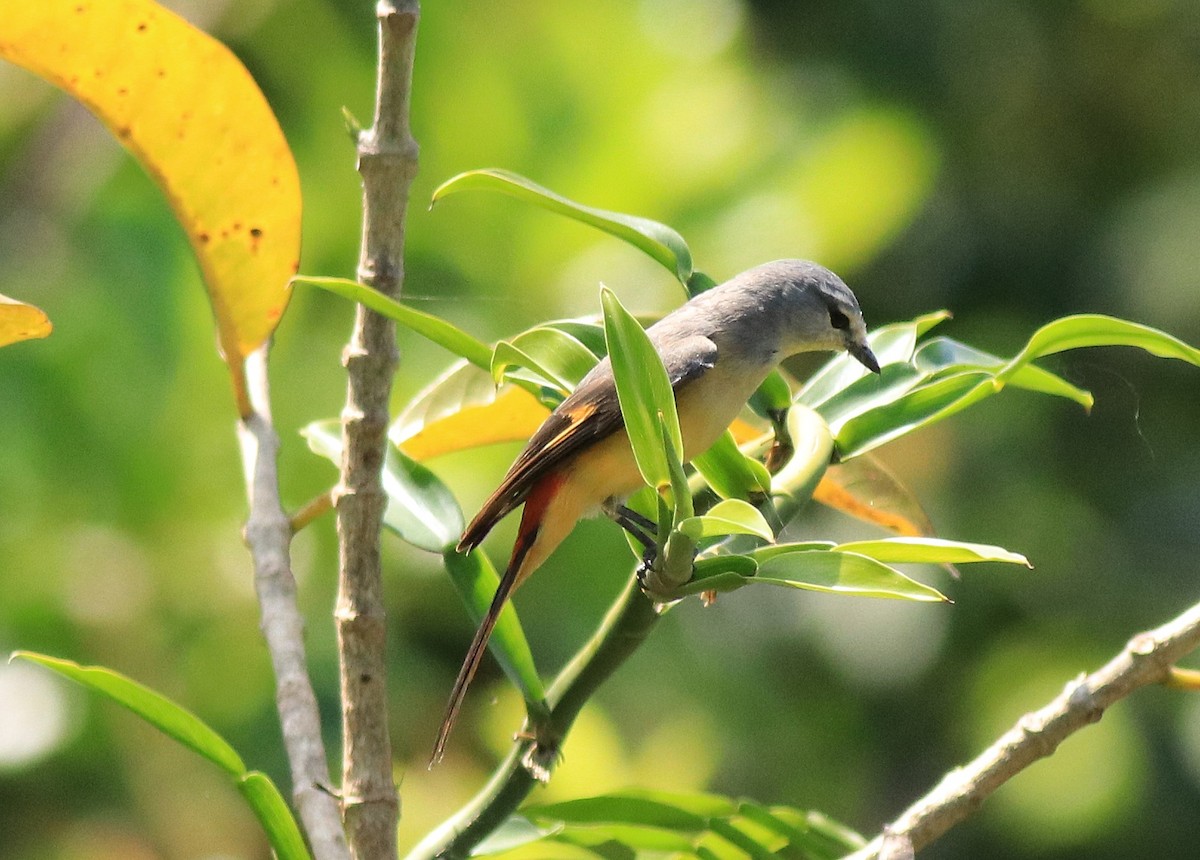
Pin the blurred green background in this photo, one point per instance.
(1011, 161)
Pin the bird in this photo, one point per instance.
(717, 349)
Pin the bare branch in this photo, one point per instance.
(1147, 659)
(269, 535)
(387, 161)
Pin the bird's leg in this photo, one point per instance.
(640, 528)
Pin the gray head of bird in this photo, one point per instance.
(790, 306)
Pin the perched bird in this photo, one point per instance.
(717, 349)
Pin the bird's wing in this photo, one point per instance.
(591, 413)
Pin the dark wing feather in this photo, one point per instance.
(591, 413)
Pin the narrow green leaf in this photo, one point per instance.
(917, 408)
(517, 830)
(643, 389)
(842, 573)
(476, 581)
(430, 327)
(729, 472)
(657, 240)
(628, 840)
(420, 508)
(869, 392)
(929, 550)
(1083, 330)
(171, 719)
(274, 815)
(730, 517)
(944, 355)
(550, 352)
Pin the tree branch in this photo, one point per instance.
(268, 535)
(387, 161)
(1146, 659)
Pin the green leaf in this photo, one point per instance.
(644, 391)
(843, 573)
(553, 354)
(657, 240)
(185, 727)
(917, 408)
(1083, 330)
(869, 392)
(420, 508)
(729, 472)
(274, 815)
(476, 581)
(515, 831)
(427, 325)
(942, 354)
(929, 550)
(171, 719)
(730, 517)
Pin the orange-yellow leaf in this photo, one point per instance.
(513, 416)
(19, 321)
(190, 112)
(864, 489)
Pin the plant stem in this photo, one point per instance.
(387, 162)
(268, 535)
(622, 632)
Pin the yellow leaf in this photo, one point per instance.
(19, 321)
(512, 416)
(189, 111)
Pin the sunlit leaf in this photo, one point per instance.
(1083, 330)
(941, 355)
(463, 409)
(476, 581)
(274, 815)
(842, 573)
(917, 408)
(871, 391)
(420, 508)
(657, 240)
(729, 517)
(171, 719)
(430, 327)
(188, 110)
(19, 321)
(930, 550)
(670, 810)
(729, 472)
(793, 485)
(773, 396)
(643, 389)
(555, 355)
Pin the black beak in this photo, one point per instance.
(863, 353)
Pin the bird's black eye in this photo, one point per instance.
(838, 320)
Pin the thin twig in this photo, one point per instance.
(1147, 659)
(268, 535)
(387, 161)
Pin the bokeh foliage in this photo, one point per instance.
(1011, 161)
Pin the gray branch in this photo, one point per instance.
(387, 162)
(269, 535)
(1146, 659)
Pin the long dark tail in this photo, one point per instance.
(479, 643)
